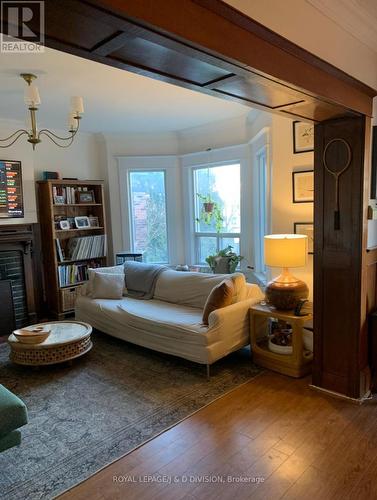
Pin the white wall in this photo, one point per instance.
(284, 211)
(82, 160)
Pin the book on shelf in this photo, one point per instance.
(68, 195)
(72, 274)
(85, 247)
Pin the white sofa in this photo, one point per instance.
(171, 322)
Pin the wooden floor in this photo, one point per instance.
(302, 444)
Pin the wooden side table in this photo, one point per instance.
(296, 364)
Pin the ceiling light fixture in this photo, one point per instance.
(32, 100)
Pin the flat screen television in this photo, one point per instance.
(11, 196)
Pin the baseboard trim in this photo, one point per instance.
(333, 394)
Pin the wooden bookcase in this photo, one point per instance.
(60, 297)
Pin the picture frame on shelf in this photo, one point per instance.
(93, 221)
(303, 186)
(59, 200)
(85, 197)
(64, 224)
(71, 222)
(82, 222)
(306, 228)
(303, 137)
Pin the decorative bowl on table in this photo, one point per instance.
(32, 336)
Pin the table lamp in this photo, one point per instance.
(285, 250)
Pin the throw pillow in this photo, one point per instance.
(104, 270)
(221, 296)
(107, 286)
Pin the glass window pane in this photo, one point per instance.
(233, 242)
(148, 214)
(207, 245)
(220, 185)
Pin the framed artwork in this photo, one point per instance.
(64, 224)
(303, 186)
(303, 137)
(85, 196)
(93, 221)
(82, 222)
(59, 200)
(306, 228)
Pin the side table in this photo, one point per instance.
(296, 364)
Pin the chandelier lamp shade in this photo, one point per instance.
(34, 136)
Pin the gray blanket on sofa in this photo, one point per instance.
(141, 278)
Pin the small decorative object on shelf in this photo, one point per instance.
(71, 244)
(122, 257)
(93, 221)
(85, 197)
(82, 222)
(277, 340)
(64, 224)
(50, 175)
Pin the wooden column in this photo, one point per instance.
(340, 357)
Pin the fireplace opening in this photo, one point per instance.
(13, 301)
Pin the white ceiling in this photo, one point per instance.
(358, 17)
(115, 101)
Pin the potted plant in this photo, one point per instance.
(224, 261)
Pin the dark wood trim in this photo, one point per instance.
(221, 31)
(340, 285)
(240, 19)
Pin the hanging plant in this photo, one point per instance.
(210, 212)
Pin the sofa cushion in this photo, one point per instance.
(221, 296)
(13, 413)
(107, 270)
(193, 289)
(107, 286)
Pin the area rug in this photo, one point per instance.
(84, 416)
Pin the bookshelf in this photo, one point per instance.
(73, 238)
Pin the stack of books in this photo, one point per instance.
(86, 247)
(74, 273)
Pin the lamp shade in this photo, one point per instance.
(32, 96)
(77, 105)
(285, 250)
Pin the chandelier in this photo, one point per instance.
(32, 100)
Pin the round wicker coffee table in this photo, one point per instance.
(67, 340)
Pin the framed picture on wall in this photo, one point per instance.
(303, 186)
(306, 228)
(303, 137)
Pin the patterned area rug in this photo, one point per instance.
(84, 416)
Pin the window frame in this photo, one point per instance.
(170, 165)
(214, 158)
(131, 220)
(260, 145)
(209, 234)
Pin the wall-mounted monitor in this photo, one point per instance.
(11, 196)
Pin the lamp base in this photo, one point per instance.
(286, 291)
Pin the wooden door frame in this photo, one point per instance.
(215, 33)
